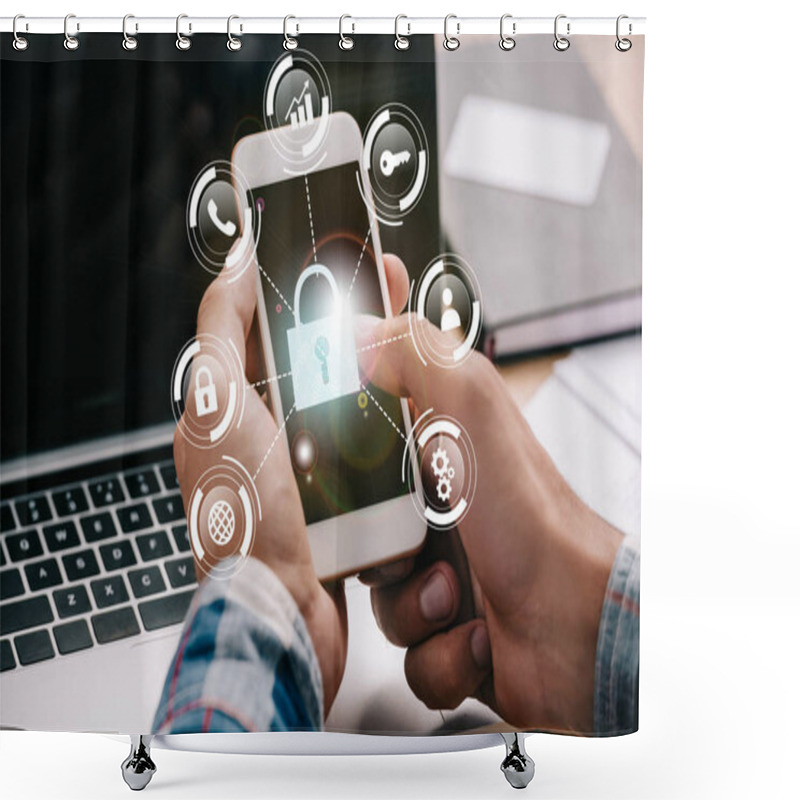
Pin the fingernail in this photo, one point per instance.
(436, 598)
(479, 645)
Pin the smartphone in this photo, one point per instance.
(347, 451)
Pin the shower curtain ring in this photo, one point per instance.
(129, 42)
(289, 43)
(346, 42)
(70, 42)
(451, 42)
(234, 43)
(20, 42)
(623, 45)
(561, 43)
(401, 42)
(182, 42)
(507, 42)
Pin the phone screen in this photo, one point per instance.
(347, 452)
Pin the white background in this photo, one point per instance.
(719, 701)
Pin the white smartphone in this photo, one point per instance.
(347, 452)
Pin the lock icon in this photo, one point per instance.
(322, 353)
(205, 392)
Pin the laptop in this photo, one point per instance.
(99, 293)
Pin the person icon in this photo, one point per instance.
(450, 317)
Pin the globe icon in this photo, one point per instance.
(221, 523)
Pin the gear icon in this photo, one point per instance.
(439, 463)
(444, 488)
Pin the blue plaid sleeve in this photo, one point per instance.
(244, 662)
(616, 677)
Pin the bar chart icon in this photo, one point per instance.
(300, 111)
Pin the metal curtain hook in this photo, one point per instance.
(129, 42)
(70, 42)
(182, 42)
(20, 42)
(401, 42)
(289, 43)
(623, 45)
(346, 42)
(561, 43)
(234, 43)
(451, 42)
(507, 42)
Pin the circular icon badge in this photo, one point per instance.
(207, 390)
(297, 105)
(395, 159)
(221, 213)
(447, 469)
(448, 297)
(224, 510)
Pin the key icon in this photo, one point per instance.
(321, 350)
(390, 160)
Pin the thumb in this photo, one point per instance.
(449, 667)
(388, 358)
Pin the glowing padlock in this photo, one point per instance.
(322, 353)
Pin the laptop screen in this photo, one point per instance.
(98, 284)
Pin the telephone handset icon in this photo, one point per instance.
(226, 228)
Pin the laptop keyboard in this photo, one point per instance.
(92, 563)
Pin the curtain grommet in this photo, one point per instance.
(70, 42)
(234, 43)
(451, 43)
(289, 42)
(20, 42)
(346, 42)
(182, 42)
(129, 43)
(561, 43)
(623, 45)
(401, 42)
(507, 42)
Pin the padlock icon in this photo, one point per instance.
(322, 353)
(205, 392)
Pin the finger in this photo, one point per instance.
(388, 573)
(413, 610)
(388, 357)
(449, 667)
(396, 281)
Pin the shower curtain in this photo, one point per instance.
(320, 383)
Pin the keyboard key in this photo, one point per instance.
(169, 476)
(71, 601)
(61, 536)
(180, 533)
(7, 522)
(24, 545)
(115, 625)
(117, 555)
(146, 581)
(33, 510)
(33, 647)
(134, 518)
(109, 591)
(80, 565)
(164, 611)
(153, 545)
(106, 492)
(168, 509)
(72, 636)
(43, 574)
(25, 614)
(98, 526)
(10, 584)
(70, 501)
(142, 483)
(7, 660)
(180, 572)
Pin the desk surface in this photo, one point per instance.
(524, 377)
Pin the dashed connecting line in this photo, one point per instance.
(310, 219)
(269, 380)
(272, 284)
(383, 342)
(360, 257)
(275, 440)
(383, 411)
